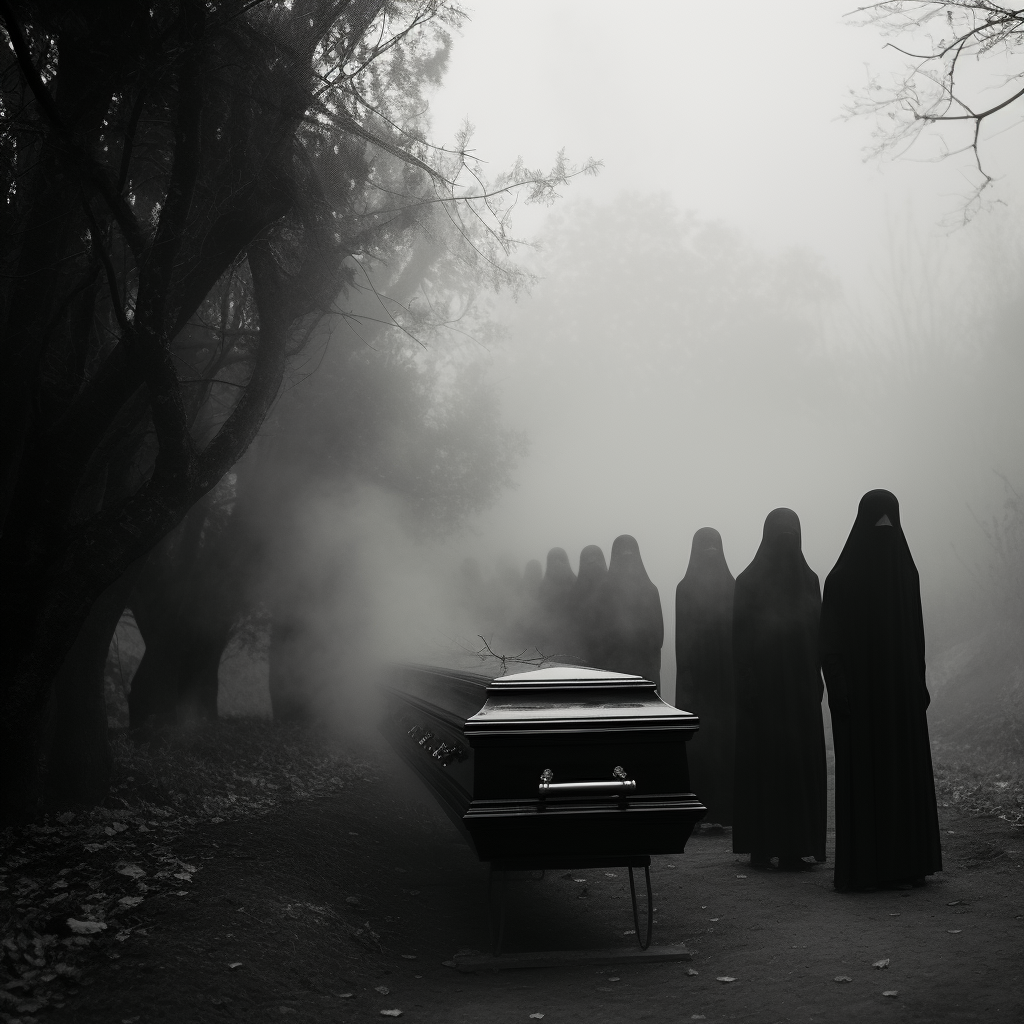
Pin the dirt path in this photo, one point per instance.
(322, 903)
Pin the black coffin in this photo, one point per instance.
(560, 766)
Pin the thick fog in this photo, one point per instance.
(742, 310)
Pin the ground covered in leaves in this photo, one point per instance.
(246, 872)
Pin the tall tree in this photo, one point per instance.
(187, 187)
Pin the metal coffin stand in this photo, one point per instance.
(564, 767)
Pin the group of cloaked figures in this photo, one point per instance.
(750, 655)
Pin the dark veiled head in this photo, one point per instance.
(592, 564)
(624, 547)
(707, 544)
(876, 504)
(706, 554)
(780, 523)
(626, 560)
(558, 569)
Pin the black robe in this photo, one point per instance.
(585, 621)
(632, 627)
(704, 673)
(781, 780)
(872, 652)
(555, 598)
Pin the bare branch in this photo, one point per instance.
(931, 92)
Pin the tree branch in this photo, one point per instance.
(91, 172)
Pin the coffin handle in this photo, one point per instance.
(619, 785)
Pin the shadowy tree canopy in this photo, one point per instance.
(187, 188)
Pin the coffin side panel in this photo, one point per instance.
(504, 830)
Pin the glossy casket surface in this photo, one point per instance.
(562, 765)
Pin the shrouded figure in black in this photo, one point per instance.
(586, 627)
(872, 653)
(780, 795)
(632, 628)
(704, 672)
(555, 597)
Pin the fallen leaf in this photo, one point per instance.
(449, 963)
(725, 978)
(344, 995)
(408, 956)
(615, 979)
(692, 972)
(712, 918)
(954, 931)
(383, 990)
(842, 977)
(86, 927)
(741, 876)
(892, 993)
(610, 874)
(632, 931)
(131, 870)
(129, 901)
(235, 965)
(881, 964)
(955, 903)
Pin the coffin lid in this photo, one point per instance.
(572, 698)
(571, 676)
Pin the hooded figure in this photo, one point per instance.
(632, 628)
(704, 674)
(872, 652)
(585, 616)
(780, 795)
(555, 597)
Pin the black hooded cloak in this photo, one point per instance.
(555, 597)
(872, 652)
(704, 672)
(632, 627)
(780, 796)
(585, 616)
